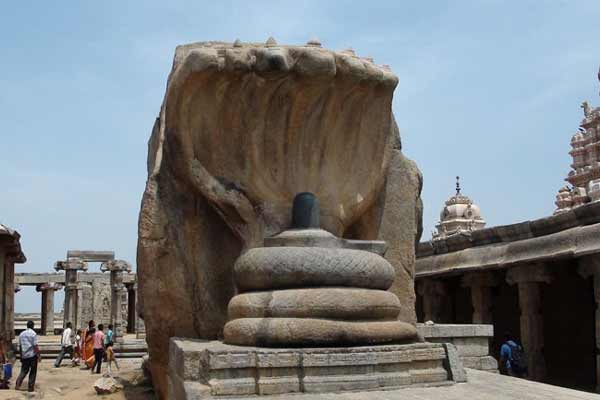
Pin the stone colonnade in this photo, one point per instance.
(72, 307)
(47, 314)
(118, 301)
(85, 297)
(530, 280)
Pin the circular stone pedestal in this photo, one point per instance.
(314, 296)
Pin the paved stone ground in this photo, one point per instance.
(481, 386)
(74, 384)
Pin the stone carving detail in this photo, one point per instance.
(243, 128)
(585, 174)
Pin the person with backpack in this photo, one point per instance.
(512, 357)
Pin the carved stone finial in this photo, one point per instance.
(115, 265)
(586, 108)
(271, 42)
(314, 41)
(457, 185)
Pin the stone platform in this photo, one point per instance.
(200, 369)
(471, 341)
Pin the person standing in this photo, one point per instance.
(512, 357)
(98, 348)
(77, 352)
(108, 345)
(30, 352)
(66, 345)
(87, 349)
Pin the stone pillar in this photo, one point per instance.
(47, 290)
(71, 306)
(7, 301)
(529, 279)
(118, 294)
(480, 284)
(131, 313)
(590, 267)
(434, 293)
(140, 327)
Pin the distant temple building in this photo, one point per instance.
(459, 216)
(585, 174)
(526, 278)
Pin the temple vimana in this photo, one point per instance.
(280, 250)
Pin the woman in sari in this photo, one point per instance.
(87, 349)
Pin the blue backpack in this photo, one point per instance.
(518, 359)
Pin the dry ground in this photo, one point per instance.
(68, 383)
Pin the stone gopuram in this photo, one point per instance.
(244, 127)
(584, 176)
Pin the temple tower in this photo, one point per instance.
(459, 215)
(584, 177)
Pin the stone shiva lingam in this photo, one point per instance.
(313, 315)
(237, 297)
(306, 287)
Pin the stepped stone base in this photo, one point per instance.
(200, 369)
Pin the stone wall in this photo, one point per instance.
(471, 341)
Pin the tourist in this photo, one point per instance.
(78, 345)
(512, 358)
(87, 350)
(30, 352)
(66, 345)
(108, 345)
(98, 348)
(108, 339)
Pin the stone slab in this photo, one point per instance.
(480, 386)
(455, 330)
(216, 369)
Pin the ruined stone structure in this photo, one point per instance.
(47, 314)
(530, 277)
(459, 216)
(243, 128)
(10, 254)
(585, 174)
(118, 296)
(93, 298)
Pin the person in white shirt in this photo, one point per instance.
(30, 353)
(66, 345)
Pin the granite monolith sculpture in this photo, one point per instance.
(243, 128)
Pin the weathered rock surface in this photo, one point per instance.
(287, 267)
(107, 385)
(334, 303)
(277, 332)
(242, 129)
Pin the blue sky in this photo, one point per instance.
(489, 90)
